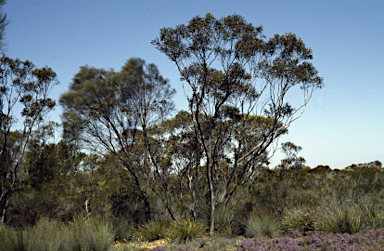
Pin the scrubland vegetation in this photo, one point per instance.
(304, 209)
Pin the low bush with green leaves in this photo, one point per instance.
(46, 235)
(90, 234)
(185, 231)
(49, 235)
(302, 219)
(348, 218)
(150, 231)
(224, 222)
(11, 239)
(123, 230)
(265, 226)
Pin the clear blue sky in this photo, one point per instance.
(344, 122)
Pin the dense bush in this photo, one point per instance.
(150, 231)
(185, 231)
(48, 235)
(265, 226)
(319, 199)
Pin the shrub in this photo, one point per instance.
(49, 235)
(369, 239)
(46, 235)
(224, 222)
(261, 226)
(185, 231)
(299, 219)
(150, 231)
(11, 240)
(341, 218)
(88, 234)
(123, 229)
(373, 213)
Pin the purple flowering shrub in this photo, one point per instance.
(369, 239)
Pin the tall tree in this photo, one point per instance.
(237, 77)
(113, 112)
(50, 177)
(20, 82)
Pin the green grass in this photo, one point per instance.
(89, 234)
(265, 226)
(150, 231)
(333, 215)
(11, 240)
(185, 231)
(48, 235)
(45, 236)
(301, 219)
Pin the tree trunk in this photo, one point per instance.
(212, 193)
(212, 221)
(145, 197)
(147, 209)
(4, 205)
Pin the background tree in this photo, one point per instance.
(51, 183)
(20, 82)
(234, 74)
(112, 113)
(292, 163)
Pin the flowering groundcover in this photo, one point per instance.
(369, 239)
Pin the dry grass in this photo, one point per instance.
(205, 243)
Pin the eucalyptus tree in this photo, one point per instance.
(180, 145)
(24, 87)
(234, 73)
(292, 163)
(50, 184)
(112, 112)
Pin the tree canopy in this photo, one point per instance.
(236, 76)
(112, 112)
(20, 82)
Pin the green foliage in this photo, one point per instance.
(49, 187)
(11, 239)
(221, 91)
(113, 113)
(46, 235)
(224, 222)
(341, 218)
(20, 82)
(292, 164)
(185, 231)
(272, 196)
(265, 226)
(123, 229)
(89, 234)
(299, 219)
(373, 213)
(50, 235)
(150, 231)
